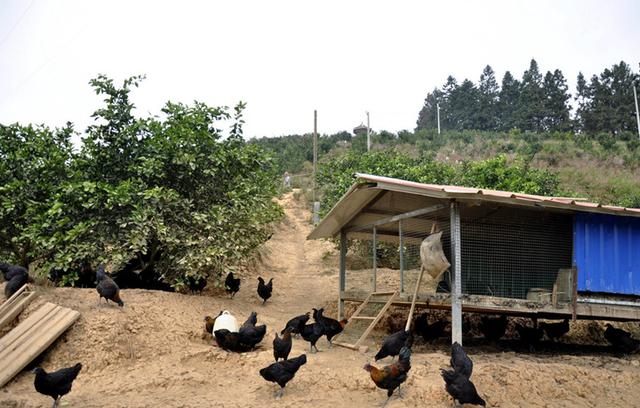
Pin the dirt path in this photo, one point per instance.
(151, 353)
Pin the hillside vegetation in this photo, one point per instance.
(600, 168)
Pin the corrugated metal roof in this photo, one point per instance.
(343, 211)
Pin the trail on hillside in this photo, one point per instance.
(151, 353)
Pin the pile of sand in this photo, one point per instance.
(151, 352)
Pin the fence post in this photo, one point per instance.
(400, 234)
(342, 280)
(375, 260)
(456, 306)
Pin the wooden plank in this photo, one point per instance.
(347, 345)
(362, 317)
(512, 307)
(41, 336)
(413, 302)
(22, 343)
(13, 297)
(26, 325)
(9, 314)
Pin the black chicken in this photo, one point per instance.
(232, 341)
(283, 371)
(461, 388)
(460, 361)
(331, 327)
(231, 284)
(107, 288)
(282, 346)
(100, 274)
(251, 333)
(429, 332)
(621, 340)
(311, 333)
(394, 343)
(529, 336)
(390, 377)
(555, 330)
(57, 383)
(296, 324)
(9, 271)
(15, 283)
(493, 328)
(196, 285)
(264, 291)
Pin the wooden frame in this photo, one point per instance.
(12, 307)
(374, 319)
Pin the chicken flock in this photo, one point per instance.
(457, 377)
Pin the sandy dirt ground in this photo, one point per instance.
(151, 353)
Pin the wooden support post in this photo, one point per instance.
(374, 278)
(413, 302)
(342, 280)
(401, 249)
(456, 290)
(574, 293)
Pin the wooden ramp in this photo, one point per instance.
(15, 304)
(364, 319)
(31, 337)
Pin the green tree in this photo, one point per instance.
(556, 102)
(608, 104)
(508, 101)
(488, 93)
(427, 118)
(33, 165)
(462, 106)
(176, 199)
(530, 111)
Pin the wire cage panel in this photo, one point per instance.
(508, 252)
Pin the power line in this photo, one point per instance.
(24, 13)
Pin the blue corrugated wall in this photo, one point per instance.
(607, 253)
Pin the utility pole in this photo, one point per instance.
(635, 99)
(368, 133)
(438, 110)
(316, 204)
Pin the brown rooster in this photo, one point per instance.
(390, 377)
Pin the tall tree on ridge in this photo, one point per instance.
(508, 101)
(556, 97)
(427, 118)
(530, 110)
(488, 92)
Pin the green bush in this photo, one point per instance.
(170, 194)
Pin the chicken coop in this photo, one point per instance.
(512, 253)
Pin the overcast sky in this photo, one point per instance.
(287, 58)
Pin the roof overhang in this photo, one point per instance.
(368, 187)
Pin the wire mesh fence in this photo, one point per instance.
(505, 252)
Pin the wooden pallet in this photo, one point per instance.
(31, 337)
(15, 304)
(358, 331)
